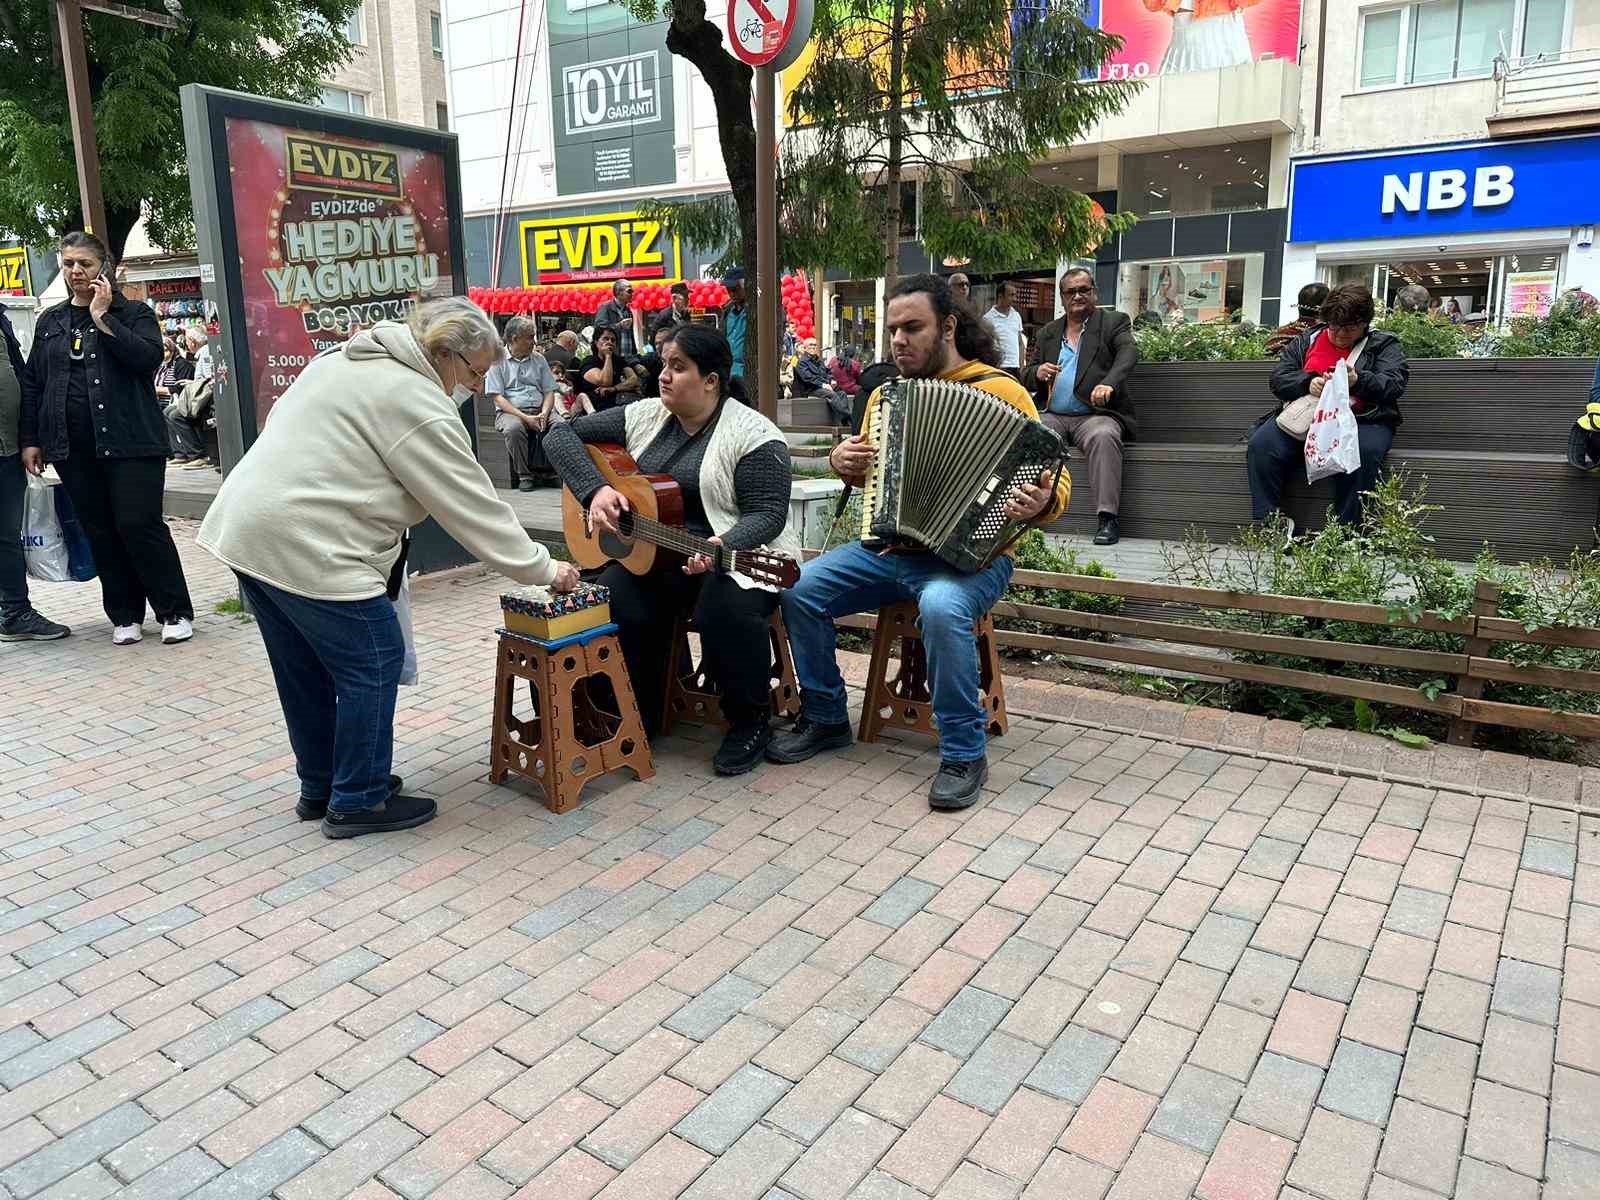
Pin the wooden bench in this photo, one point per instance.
(1489, 436)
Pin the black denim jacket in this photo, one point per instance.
(122, 388)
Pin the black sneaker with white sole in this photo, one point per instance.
(31, 626)
(397, 812)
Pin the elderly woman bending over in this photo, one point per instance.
(365, 444)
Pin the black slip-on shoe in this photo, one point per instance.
(807, 738)
(307, 810)
(397, 812)
(958, 785)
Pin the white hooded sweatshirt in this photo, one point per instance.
(362, 446)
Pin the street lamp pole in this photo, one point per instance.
(80, 101)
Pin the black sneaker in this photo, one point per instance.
(30, 626)
(1109, 532)
(742, 748)
(958, 785)
(314, 810)
(806, 738)
(397, 812)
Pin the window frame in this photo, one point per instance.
(436, 32)
(1407, 10)
(350, 94)
(359, 18)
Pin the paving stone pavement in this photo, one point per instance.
(1139, 969)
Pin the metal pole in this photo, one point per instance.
(768, 331)
(81, 107)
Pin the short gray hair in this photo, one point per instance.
(453, 325)
(520, 326)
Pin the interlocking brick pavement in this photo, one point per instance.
(1173, 954)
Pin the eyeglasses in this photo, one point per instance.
(1086, 290)
(473, 372)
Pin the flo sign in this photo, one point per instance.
(1478, 187)
(611, 98)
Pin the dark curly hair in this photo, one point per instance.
(974, 338)
(1348, 304)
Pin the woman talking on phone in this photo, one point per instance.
(92, 411)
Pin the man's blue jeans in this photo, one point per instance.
(852, 579)
(337, 667)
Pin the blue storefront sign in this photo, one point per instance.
(1478, 187)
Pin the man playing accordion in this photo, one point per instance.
(932, 336)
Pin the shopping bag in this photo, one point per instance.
(80, 559)
(402, 612)
(1333, 446)
(44, 548)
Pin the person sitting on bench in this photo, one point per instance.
(523, 389)
(1378, 376)
(932, 336)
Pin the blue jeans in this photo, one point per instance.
(1273, 454)
(337, 667)
(13, 563)
(852, 579)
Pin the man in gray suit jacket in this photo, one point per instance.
(1080, 386)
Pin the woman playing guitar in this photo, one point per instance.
(732, 465)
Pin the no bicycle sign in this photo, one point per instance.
(763, 32)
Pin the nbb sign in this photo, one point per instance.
(590, 249)
(1480, 187)
(616, 93)
(1447, 189)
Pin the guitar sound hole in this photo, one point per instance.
(615, 546)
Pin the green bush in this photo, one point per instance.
(1390, 561)
(1423, 336)
(1571, 330)
(1034, 552)
(1201, 342)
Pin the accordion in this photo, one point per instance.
(950, 456)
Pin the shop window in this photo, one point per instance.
(342, 100)
(1467, 288)
(1206, 179)
(1193, 289)
(1441, 40)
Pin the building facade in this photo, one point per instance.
(397, 66)
(1453, 144)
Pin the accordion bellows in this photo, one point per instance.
(950, 456)
(538, 612)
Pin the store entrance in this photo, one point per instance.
(1471, 289)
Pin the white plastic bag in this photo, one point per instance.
(44, 547)
(402, 611)
(1333, 447)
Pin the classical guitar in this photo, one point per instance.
(654, 522)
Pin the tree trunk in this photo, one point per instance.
(699, 42)
(891, 173)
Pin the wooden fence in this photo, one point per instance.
(1465, 672)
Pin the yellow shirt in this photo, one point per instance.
(1003, 387)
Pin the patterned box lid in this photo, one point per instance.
(534, 601)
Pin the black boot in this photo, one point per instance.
(743, 747)
(958, 785)
(807, 738)
(1110, 532)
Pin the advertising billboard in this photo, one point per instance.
(336, 234)
(1158, 39)
(14, 279)
(610, 98)
(598, 248)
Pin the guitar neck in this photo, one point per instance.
(678, 539)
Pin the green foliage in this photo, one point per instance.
(234, 607)
(271, 47)
(1390, 561)
(1571, 329)
(1423, 336)
(1203, 341)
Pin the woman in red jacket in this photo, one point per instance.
(1206, 34)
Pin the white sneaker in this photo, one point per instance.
(176, 631)
(126, 635)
